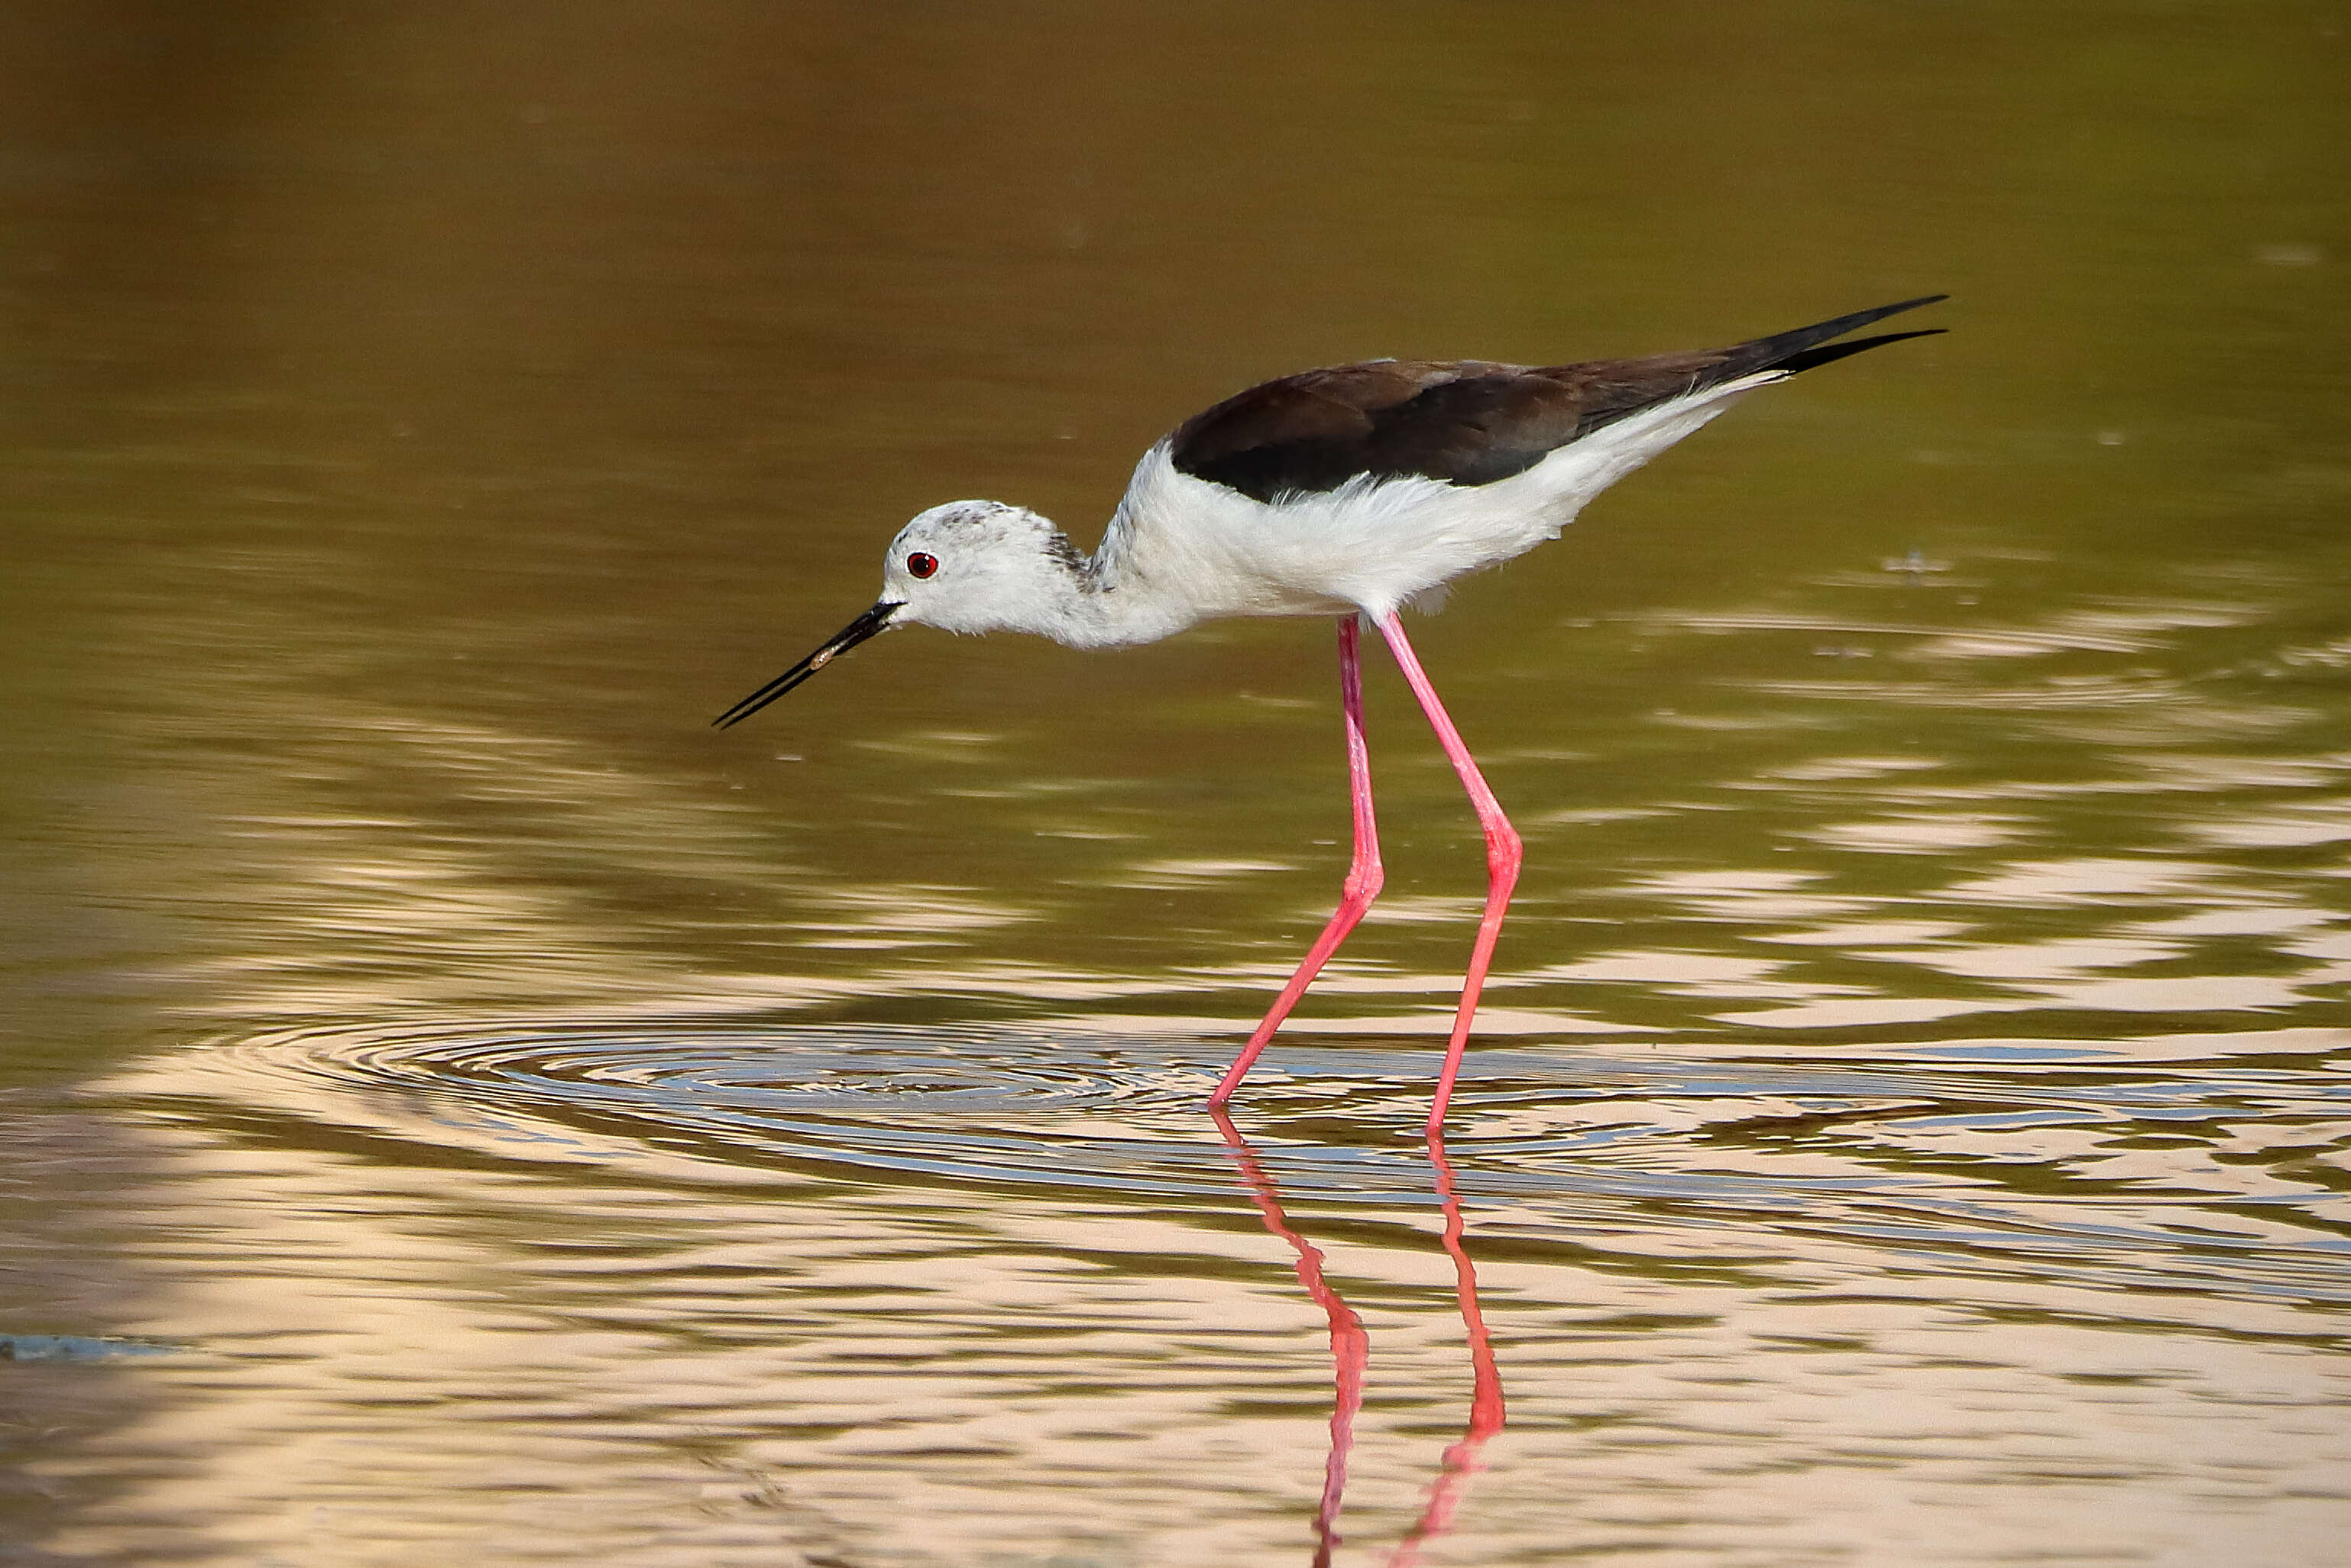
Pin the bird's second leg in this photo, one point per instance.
(1365, 875)
(1503, 854)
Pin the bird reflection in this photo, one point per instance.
(1351, 1353)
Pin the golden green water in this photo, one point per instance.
(457, 1102)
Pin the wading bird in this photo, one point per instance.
(1345, 491)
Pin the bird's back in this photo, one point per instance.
(1465, 422)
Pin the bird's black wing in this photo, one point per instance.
(1465, 422)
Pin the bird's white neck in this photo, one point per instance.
(1102, 601)
(1177, 553)
(1012, 570)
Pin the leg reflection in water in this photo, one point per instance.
(1351, 1352)
(1350, 1347)
(1485, 1414)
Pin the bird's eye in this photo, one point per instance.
(922, 565)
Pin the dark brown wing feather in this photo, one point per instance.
(1464, 422)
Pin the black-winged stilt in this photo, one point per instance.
(1344, 491)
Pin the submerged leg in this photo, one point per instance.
(1502, 857)
(1363, 874)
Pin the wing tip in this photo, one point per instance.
(1829, 353)
(1800, 348)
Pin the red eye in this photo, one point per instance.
(921, 565)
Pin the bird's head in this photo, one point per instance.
(967, 566)
(977, 566)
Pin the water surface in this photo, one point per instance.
(457, 1102)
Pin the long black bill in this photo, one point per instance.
(840, 642)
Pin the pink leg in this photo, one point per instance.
(1363, 876)
(1502, 857)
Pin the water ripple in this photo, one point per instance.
(2219, 1168)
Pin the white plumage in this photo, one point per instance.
(1180, 550)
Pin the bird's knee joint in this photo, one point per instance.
(1504, 852)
